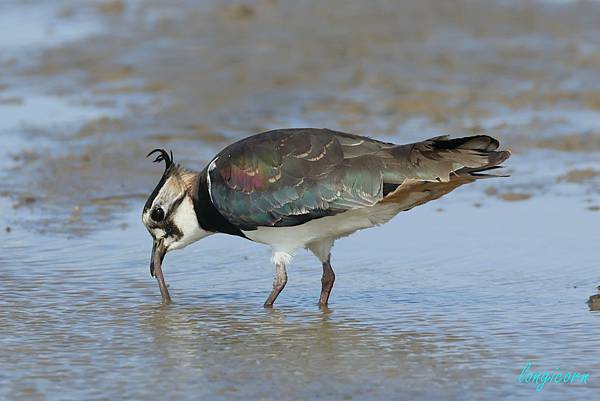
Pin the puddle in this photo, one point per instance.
(41, 111)
(34, 25)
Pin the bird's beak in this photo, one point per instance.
(158, 254)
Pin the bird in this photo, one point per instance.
(304, 188)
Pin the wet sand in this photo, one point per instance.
(448, 301)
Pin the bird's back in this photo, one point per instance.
(291, 176)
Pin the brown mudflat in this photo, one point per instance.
(88, 89)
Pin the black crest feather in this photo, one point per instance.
(168, 159)
(163, 156)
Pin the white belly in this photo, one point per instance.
(289, 239)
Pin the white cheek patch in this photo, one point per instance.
(186, 221)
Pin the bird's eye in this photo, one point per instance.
(157, 214)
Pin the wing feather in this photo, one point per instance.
(288, 177)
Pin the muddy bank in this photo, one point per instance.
(193, 78)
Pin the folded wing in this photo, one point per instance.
(288, 177)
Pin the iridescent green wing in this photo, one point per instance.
(288, 177)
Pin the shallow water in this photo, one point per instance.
(429, 309)
(448, 301)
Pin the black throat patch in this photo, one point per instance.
(208, 216)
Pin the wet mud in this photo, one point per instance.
(197, 77)
(89, 88)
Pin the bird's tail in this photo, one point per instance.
(430, 169)
(440, 158)
(476, 154)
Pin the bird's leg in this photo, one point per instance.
(322, 250)
(278, 284)
(327, 281)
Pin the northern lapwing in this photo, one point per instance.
(305, 188)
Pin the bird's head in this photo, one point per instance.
(169, 213)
